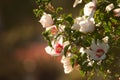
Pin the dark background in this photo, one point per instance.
(22, 55)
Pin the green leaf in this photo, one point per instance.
(46, 37)
(72, 60)
(59, 9)
(66, 49)
(69, 19)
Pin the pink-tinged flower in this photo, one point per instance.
(116, 12)
(87, 25)
(89, 9)
(77, 2)
(53, 29)
(109, 7)
(97, 51)
(46, 20)
(58, 47)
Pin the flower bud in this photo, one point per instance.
(46, 20)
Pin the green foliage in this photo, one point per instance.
(106, 25)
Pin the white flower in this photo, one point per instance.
(83, 24)
(109, 7)
(89, 9)
(58, 47)
(67, 64)
(97, 51)
(46, 20)
(116, 12)
(76, 25)
(87, 25)
(77, 2)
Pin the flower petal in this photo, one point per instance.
(77, 2)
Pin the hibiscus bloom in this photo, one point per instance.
(46, 20)
(97, 51)
(58, 47)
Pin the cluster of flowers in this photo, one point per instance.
(85, 24)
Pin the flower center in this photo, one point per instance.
(53, 30)
(58, 48)
(99, 53)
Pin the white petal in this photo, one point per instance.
(67, 71)
(60, 40)
(66, 43)
(66, 64)
(86, 26)
(89, 52)
(61, 27)
(76, 2)
(103, 57)
(48, 28)
(116, 12)
(48, 49)
(93, 46)
(76, 25)
(109, 7)
(105, 47)
(51, 51)
(89, 9)
(105, 39)
(65, 60)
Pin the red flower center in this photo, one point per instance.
(58, 48)
(99, 53)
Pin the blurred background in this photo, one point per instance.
(22, 55)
